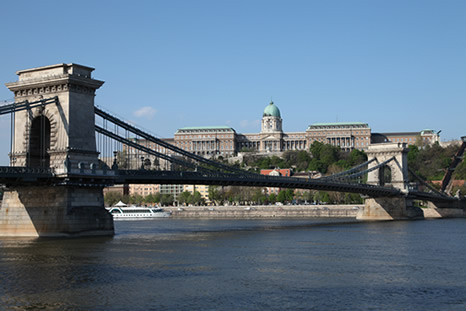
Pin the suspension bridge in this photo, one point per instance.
(65, 149)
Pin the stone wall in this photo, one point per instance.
(266, 211)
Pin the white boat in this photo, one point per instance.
(122, 211)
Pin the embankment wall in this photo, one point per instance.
(266, 211)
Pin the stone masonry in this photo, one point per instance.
(47, 136)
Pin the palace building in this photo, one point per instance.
(223, 140)
(211, 141)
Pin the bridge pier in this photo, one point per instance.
(392, 174)
(454, 209)
(41, 211)
(389, 208)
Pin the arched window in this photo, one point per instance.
(39, 143)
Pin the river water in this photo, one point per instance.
(185, 264)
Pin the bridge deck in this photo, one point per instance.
(24, 176)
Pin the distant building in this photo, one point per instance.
(425, 137)
(346, 135)
(206, 141)
(143, 189)
(213, 141)
(223, 140)
(174, 190)
(276, 172)
(202, 189)
(120, 189)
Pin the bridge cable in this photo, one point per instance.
(147, 150)
(368, 170)
(162, 143)
(427, 185)
(354, 169)
(24, 105)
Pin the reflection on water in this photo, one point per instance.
(175, 264)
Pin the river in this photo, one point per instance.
(279, 264)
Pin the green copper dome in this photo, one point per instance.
(271, 110)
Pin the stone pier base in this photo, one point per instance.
(389, 208)
(446, 210)
(41, 211)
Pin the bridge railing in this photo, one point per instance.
(26, 170)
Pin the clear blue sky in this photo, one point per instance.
(397, 65)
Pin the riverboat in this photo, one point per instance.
(121, 211)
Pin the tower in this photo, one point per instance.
(47, 135)
(271, 129)
(59, 135)
(393, 174)
(271, 119)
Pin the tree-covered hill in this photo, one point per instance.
(320, 157)
(432, 161)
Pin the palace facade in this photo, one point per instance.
(211, 141)
(224, 140)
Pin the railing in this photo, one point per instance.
(26, 170)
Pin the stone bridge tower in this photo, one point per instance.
(46, 136)
(60, 136)
(393, 174)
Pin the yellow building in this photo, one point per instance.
(202, 189)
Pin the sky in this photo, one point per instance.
(396, 65)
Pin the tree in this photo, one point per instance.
(431, 161)
(112, 197)
(272, 198)
(149, 198)
(308, 196)
(315, 149)
(215, 195)
(321, 197)
(258, 196)
(289, 195)
(460, 172)
(156, 197)
(281, 197)
(184, 197)
(136, 199)
(197, 198)
(166, 199)
(328, 154)
(357, 157)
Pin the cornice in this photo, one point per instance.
(54, 84)
(54, 80)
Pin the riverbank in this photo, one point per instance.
(266, 211)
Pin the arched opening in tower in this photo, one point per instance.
(39, 143)
(385, 175)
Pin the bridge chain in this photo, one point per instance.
(14, 107)
(354, 169)
(147, 150)
(153, 139)
(441, 194)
